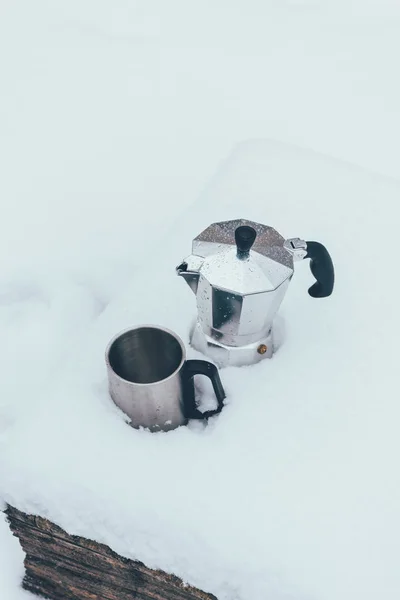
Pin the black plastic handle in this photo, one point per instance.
(245, 237)
(321, 266)
(203, 367)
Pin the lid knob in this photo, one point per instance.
(245, 237)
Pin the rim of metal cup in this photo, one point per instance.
(145, 326)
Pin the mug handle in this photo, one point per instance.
(203, 367)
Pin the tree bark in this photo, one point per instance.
(60, 566)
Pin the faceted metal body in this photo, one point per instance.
(236, 356)
(237, 298)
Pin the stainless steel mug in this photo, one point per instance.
(151, 381)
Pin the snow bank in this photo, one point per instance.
(113, 115)
(292, 492)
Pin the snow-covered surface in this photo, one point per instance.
(115, 115)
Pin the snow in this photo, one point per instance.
(114, 116)
(11, 561)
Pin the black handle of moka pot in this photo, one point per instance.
(321, 266)
(203, 367)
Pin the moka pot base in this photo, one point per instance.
(236, 356)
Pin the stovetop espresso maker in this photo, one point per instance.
(239, 271)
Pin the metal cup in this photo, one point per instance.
(151, 381)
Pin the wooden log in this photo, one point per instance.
(60, 566)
